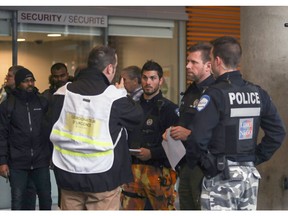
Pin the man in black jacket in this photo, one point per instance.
(154, 179)
(225, 133)
(199, 72)
(23, 152)
(59, 77)
(9, 85)
(91, 158)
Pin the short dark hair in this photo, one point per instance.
(57, 66)
(133, 72)
(204, 48)
(101, 56)
(15, 68)
(152, 65)
(228, 49)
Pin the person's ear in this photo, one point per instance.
(108, 69)
(218, 61)
(161, 80)
(208, 66)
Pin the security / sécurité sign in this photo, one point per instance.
(62, 19)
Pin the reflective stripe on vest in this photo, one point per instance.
(81, 136)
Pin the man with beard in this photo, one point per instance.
(59, 77)
(24, 156)
(154, 178)
(224, 139)
(9, 85)
(198, 70)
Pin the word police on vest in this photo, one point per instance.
(244, 97)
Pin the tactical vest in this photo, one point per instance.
(189, 104)
(236, 134)
(81, 136)
(151, 131)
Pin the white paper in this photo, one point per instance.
(134, 150)
(174, 150)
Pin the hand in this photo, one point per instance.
(180, 133)
(164, 135)
(4, 170)
(144, 154)
(121, 84)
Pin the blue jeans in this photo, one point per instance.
(41, 179)
(29, 200)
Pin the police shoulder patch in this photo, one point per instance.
(204, 100)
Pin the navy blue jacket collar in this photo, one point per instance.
(154, 99)
(93, 74)
(229, 76)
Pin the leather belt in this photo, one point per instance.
(232, 163)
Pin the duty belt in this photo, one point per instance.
(232, 163)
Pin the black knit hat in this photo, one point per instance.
(21, 75)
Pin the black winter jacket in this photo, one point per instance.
(22, 144)
(159, 114)
(124, 113)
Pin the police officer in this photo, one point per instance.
(224, 133)
(153, 177)
(198, 71)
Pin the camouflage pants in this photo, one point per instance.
(237, 193)
(147, 185)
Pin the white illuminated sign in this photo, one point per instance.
(62, 19)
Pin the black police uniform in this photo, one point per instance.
(227, 124)
(190, 101)
(190, 179)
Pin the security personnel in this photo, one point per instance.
(153, 177)
(90, 152)
(224, 133)
(198, 71)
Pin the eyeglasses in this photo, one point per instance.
(27, 80)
